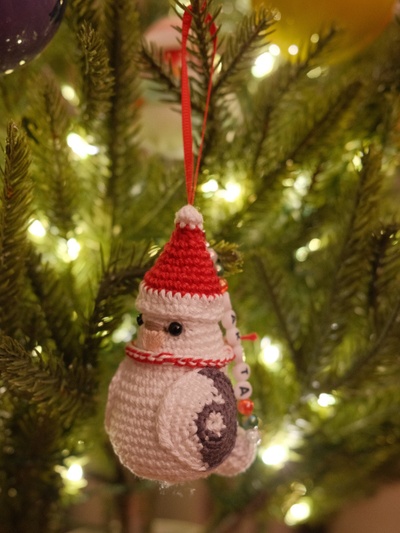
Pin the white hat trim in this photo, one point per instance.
(167, 303)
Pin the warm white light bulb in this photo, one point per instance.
(314, 245)
(69, 94)
(231, 192)
(298, 512)
(80, 146)
(263, 65)
(210, 186)
(325, 400)
(274, 50)
(37, 229)
(270, 353)
(73, 248)
(275, 455)
(74, 472)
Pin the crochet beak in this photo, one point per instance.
(151, 337)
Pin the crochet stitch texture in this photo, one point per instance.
(171, 410)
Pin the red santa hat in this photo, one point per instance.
(183, 282)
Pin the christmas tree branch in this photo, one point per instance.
(97, 75)
(154, 68)
(303, 138)
(352, 263)
(272, 99)
(54, 297)
(80, 12)
(56, 183)
(240, 48)
(203, 18)
(42, 383)
(272, 280)
(108, 307)
(360, 362)
(385, 265)
(15, 210)
(123, 41)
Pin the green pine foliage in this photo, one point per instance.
(311, 247)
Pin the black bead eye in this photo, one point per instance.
(175, 329)
(139, 320)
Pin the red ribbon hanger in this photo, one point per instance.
(191, 173)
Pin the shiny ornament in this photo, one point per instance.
(297, 22)
(26, 27)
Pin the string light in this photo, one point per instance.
(274, 50)
(298, 512)
(293, 49)
(68, 250)
(301, 184)
(74, 473)
(263, 64)
(357, 162)
(270, 353)
(73, 248)
(314, 73)
(323, 404)
(80, 146)
(69, 94)
(231, 192)
(275, 455)
(126, 330)
(326, 400)
(36, 351)
(314, 245)
(302, 253)
(37, 229)
(210, 186)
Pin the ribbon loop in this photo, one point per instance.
(191, 171)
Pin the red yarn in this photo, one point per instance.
(185, 266)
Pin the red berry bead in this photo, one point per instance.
(245, 407)
(223, 284)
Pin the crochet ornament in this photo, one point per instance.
(172, 411)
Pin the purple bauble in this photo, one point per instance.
(26, 26)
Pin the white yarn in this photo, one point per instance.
(189, 216)
(189, 305)
(150, 426)
(241, 457)
(202, 340)
(166, 420)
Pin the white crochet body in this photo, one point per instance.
(152, 431)
(171, 414)
(134, 399)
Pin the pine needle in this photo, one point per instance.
(109, 306)
(97, 75)
(54, 297)
(16, 208)
(240, 48)
(351, 276)
(57, 185)
(123, 38)
(286, 314)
